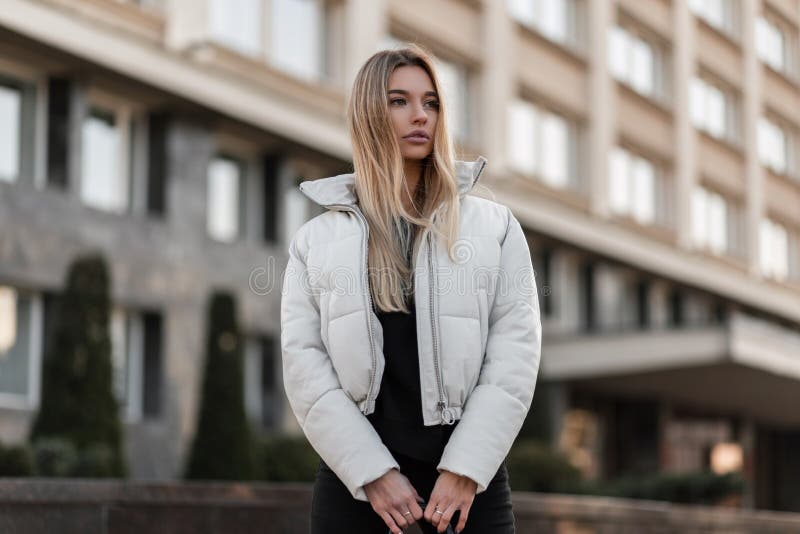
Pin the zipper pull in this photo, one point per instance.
(448, 417)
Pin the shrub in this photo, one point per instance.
(687, 488)
(533, 466)
(54, 457)
(222, 448)
(78, 402)
(287, 459)
(15, 461)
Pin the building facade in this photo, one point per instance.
(651, 150)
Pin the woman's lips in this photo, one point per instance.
(417, 139)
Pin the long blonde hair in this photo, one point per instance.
(380, 181)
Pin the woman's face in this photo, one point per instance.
(414, 110)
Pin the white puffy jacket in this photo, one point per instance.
(478, 329)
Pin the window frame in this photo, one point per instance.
(531, 21)
(251, 209)
(253, 387)
(731, 132)
(660, 187)
(634, 33)
(30, 400)
(130, 160)
(729, 26)
(32, 83)
(540, 113)
(130, 365)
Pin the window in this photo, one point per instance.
(237, 24)
(541, 144)
(263, 392)
(10, 132)
(711, 109)
(634, 61)
(587, 294)
(773, 146)
(715, 222)
(552, 18)
(105, 177)
(676, 305)
(224, 199)
(774, 250)
(771, 45)
(20, 348)
(634, 184)
(297, 37)
(718, 13)
(136, 362)
(454, 80)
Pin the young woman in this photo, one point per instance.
(410, 323)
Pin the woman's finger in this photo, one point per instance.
(390, 522)
(446, 516)
(435, 515)
(462, 518)
(415, 509)
(400, 519)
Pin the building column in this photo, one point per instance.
(189, 150)
(187, 23)
(684, 68)
(602, 119)
(366, 24)
(499, 87)
(751, 112)
(747, 439)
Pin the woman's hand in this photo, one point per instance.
(392, 496)
(452, 492)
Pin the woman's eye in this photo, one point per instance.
(432, 103)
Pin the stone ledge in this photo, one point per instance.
(89, 506)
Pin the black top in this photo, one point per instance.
(398, 409)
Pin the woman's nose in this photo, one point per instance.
(419, 114)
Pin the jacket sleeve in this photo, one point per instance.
(332, 422)
(495, 410)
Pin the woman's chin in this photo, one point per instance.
(416, 154)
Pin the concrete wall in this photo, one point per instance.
(95, 507)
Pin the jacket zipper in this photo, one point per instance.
(447, 416)
(361, 217)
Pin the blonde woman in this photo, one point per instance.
(410, 323)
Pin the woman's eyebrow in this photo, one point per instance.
(404, 92)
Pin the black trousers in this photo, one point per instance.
(335, 511)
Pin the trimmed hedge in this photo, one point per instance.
(78, 402)
(686, 488)
(533, 466)
(286, 459)
(15, 461)
(222, 448)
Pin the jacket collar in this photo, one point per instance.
(340, 189)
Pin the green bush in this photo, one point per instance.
(222, 448)
(78, 402)
(687, 488)
(15, 461)
(95, 461)
(287, 459)
(54, 457)
(533, 466)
